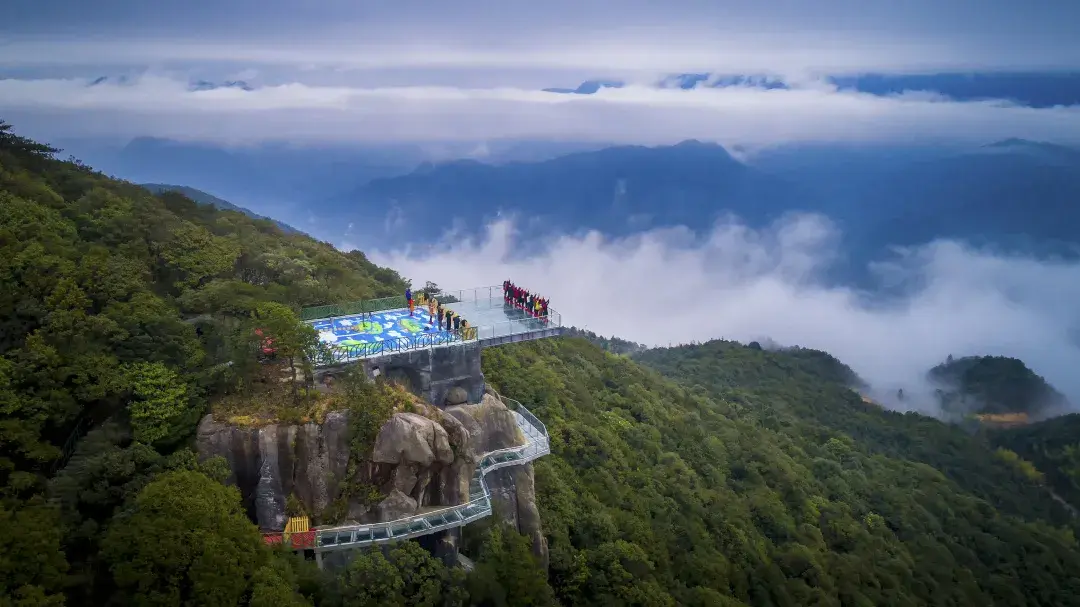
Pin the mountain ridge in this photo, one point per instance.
(206, 198)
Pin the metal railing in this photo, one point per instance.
(354, 307)
(478, 506)
(333, 354)
(476, 295)
(525, 324)
(326, 354)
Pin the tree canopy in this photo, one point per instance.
(992, 384)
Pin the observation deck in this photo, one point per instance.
(381, 327)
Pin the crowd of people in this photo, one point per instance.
(441, 316)
(445, 319)
(531, 304)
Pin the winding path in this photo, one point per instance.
(479, 504)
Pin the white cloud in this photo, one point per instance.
(156, 104)
(653, 50)
(666, 287)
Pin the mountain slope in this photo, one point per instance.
(615, 190)
(763, 479)
(1013, 195)
(994, 385)
(98, 279)
(827, 406)
(202, 197)
(1053, 447)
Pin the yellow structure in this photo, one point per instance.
(297, 524)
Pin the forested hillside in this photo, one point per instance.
(611, 344)
(763, 482)
(744, 477)
(1053, 447)
(992, 384)
(202, 197)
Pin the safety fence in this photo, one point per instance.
(478, 506)
(82, 426)
(354, 307)
(332, 354)
(477, 295)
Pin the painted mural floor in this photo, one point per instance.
(375, 327)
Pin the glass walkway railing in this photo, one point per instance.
(478, 506)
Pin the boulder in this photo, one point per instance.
(490, 425)
(456, 396)
(408, 438)
(396, 505)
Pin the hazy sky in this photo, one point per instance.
(663, 288)
(471, 70)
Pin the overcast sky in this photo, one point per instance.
(471, 70)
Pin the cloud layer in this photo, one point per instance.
(166, 106)
(665, 287)
(472, 70)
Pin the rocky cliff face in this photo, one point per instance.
(419, 460)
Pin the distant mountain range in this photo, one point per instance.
(1040, 90)
(283, 181)
(202, 197)
(1013, 193)
(617, 190)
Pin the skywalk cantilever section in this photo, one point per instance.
(479, 504)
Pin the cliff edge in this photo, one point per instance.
(421, 459)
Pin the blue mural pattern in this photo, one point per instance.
(371, 329)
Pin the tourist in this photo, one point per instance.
(408, 298)
(457, 322)
(439, 315)
(449, 317)
(431, 304)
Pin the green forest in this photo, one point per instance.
(992, 384)
(711, 474)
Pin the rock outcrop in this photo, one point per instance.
(419, 461)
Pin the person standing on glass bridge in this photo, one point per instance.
(439, 315)
(431, 305)
(408, 298)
